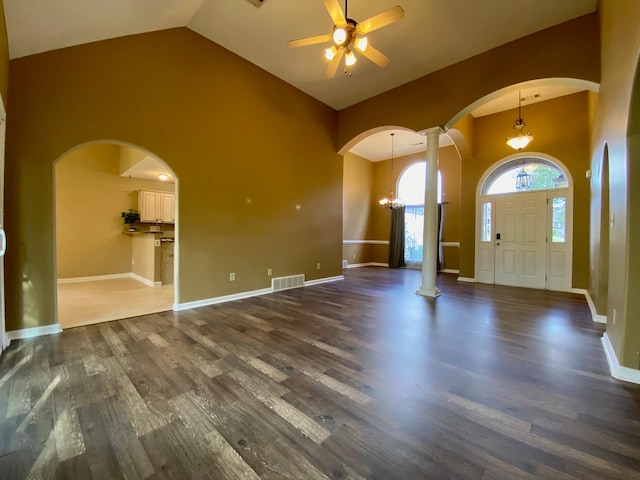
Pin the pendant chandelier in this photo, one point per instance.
(520, 140)
(391, 201)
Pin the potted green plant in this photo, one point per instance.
(130, 217)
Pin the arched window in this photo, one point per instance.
(524, 175)
(411, 189)
(411, 184)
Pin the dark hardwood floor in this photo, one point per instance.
(353, 379)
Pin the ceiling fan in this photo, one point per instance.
(349, 35)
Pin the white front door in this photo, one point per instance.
(521, 239)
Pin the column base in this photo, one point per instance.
(429, 292)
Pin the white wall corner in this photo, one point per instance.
(619, 372)
(62, 281)
(367, 264)
(33, 332)
(592, 306)
(146, 281)
(467, 279)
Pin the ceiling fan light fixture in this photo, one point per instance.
(330, 52)
(350, 58)
(362, 43)
(339, 35)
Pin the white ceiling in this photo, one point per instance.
(433, 34)
(148, 168)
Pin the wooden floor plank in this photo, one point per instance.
(357, 379)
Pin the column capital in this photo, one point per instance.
(430, 132)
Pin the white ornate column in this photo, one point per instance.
(430, 239)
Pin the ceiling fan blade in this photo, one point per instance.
(333, 64)
(302, 42)
(335, 11)
(375, 56)
(381, 20)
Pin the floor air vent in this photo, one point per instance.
(285, 283)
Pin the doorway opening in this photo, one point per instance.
(524, 223)
(107, 269)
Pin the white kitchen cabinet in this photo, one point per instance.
(156, 206)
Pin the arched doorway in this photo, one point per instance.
(106, 267)
(411, 189)
(524, 223)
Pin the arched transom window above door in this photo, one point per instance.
(524, 174)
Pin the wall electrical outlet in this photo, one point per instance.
(614, 316)
(269, 272)
(317, 266)
(232, 277)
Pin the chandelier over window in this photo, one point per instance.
(520, 140)
(391, 201)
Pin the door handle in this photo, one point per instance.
(3, 242)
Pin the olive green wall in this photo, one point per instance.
(90, 194)
(450, 168)
(568, 50)
(4, 57)
(247, 149)
(560, 128)
(357, 205)
(613, 130)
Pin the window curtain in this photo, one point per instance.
(396, 238)
(440, 256)
(414, 225)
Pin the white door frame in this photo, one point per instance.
(4, 339)
(485, 251)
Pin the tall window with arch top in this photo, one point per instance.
(411, 189)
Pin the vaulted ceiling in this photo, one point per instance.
(432, 35)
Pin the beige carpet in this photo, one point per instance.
(104, 300)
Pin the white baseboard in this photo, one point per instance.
(318, 281)
(94, 278)
(144, 280)
(592, 306)
(368, 264)
(365, 242)
(625, 374)
(450, 244)
(467, 279)
(450, 270)
(33, 332)
(177, 307)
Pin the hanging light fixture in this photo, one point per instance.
(523, 179)
(520, 140)
(391, 201)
